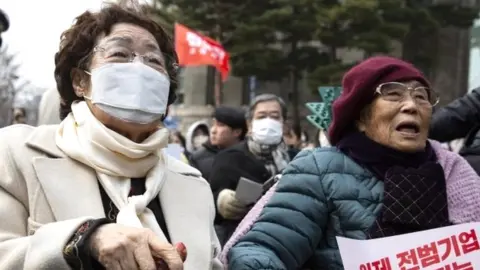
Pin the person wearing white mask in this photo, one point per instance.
(197, 135)
(260, 157)
(97, 191)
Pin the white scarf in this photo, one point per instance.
(116, 160)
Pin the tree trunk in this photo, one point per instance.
(218, 78)
(218, 89)
(210, 86)
(295, 77)
(295, 98)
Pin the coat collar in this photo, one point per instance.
(43, 139)
(72, 191)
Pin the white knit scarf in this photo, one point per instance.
(116, 160)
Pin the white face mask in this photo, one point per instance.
(267, 131)
(132, 92)
(199, 140)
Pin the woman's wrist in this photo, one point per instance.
(77, 252)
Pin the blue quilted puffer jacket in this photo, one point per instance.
(322, 194)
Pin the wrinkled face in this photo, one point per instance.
(222, 135)
(125, 43)
(402, 125)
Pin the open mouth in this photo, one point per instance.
(408, 127)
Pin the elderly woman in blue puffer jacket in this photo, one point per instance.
(381, 178)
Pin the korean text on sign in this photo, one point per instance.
(199, 45)
(432, 255)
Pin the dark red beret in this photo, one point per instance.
(359, 85)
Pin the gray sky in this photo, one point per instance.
(34, 33)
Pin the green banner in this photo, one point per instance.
(322, 111)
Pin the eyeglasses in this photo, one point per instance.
(397, 92)
(123, 55)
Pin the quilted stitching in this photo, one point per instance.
(255, 252)
(419, 202)
(413, 202)
(329, 181)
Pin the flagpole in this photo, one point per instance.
(213, 87)
(210, 86)
(218, 79)
(192, 50)
(218, 89)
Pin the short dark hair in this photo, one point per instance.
(233, 117)
(264, 98)
(296, 128)
(77, 44)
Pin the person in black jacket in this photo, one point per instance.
(229, 128)
(292, 137)
(460, 119)
(457, 119)
(260, 157)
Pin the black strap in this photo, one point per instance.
(76, 251)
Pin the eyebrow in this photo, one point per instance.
(129, 41)
(417, 84)
(268, 112)
(152, 46)
(121, 39)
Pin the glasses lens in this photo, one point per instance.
(392, 91)
(425, 95)
(421, 95)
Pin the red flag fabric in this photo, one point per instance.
(194, 49)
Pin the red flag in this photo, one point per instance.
(194, 49)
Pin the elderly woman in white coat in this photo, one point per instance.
(96, 191)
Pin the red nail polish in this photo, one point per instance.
(181, 247)
(182, 250)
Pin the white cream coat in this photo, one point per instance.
(45, 196)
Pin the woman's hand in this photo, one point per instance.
(182, 251)
(118, 247)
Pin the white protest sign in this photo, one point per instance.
(449, 248)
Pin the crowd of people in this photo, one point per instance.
(249, 191)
